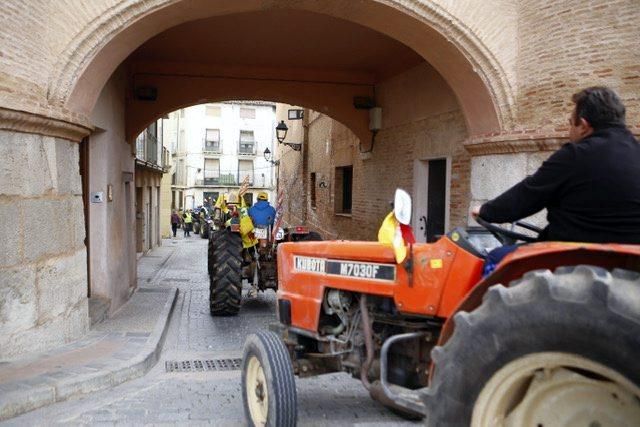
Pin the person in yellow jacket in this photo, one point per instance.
(188, 220)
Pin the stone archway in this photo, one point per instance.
(468, 66)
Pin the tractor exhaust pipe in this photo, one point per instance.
(368, 342)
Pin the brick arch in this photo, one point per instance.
(469, 67)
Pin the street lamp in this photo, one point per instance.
(281, 131)
(276, 163)
(267, 157)
(281, 134)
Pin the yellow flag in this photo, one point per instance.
(221, 204)
(246, 226)
(391, 235)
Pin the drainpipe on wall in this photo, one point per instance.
(305, 165)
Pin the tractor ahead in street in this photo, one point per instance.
(231, 261)
(550, 338)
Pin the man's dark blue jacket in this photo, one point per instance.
(591, 190)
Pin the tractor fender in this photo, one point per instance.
(546, 256)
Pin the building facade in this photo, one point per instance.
(215, 147)
(472, 93)
(152, 162)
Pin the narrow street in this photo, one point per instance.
(205, 397)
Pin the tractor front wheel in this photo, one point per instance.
(268, 382)
(552, 349)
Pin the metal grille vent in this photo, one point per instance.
(203, 365)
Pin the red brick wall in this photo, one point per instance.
(568, 45)
(375, 175)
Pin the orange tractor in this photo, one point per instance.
(550, 338)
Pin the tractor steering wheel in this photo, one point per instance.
(509, 237)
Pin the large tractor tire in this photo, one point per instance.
(552, 349)
(268, 382)
(225, 282)
(210, 262)
(204, 231)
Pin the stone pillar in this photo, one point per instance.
(43, 269)
(500, 162)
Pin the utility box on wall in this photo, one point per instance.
(97, 197)
(375, 119)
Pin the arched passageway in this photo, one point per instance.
(435, 81)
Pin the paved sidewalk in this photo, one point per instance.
(123, 347)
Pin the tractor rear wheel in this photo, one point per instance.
(552, 349)
(212, 237)
(225, 282)
(268, 382)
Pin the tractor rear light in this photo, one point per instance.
(235, 228)
(301, 230)
(284, 311)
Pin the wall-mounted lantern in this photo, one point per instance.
(281, 134)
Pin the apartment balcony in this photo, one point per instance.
(212, 148)
(231, 179)
(246, 149)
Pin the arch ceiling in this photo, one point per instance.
(371, 40)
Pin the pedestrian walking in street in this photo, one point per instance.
(188, 220)
(175, 222)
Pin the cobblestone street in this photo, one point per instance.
(208, 397)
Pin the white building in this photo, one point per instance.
(216, 146)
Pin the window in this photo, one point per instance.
(247, 113)
(247, 143)
(181, 141)
(343, 188)
(313, 190)
(140, 145)
(151, 149)
(212, 140)
(211, 171)
(245, 168)
(212, 111)
(182, 173)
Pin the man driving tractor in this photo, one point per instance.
(550, 338)
(262, 213)
(590, 186)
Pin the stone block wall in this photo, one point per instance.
(43, 267)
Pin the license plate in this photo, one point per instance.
(260, 233)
